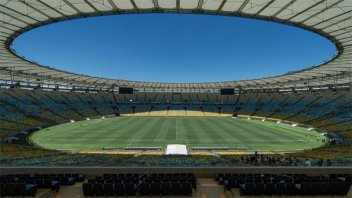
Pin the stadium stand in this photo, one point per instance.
(23, 110)
(34, 96)
(152, 184)
(171, 184)
(27, 184)
(286, 184)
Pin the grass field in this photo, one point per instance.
(159, 131)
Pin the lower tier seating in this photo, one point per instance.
(141, 185)
(289, 184)
(27, 184)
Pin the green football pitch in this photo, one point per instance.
(228, 132)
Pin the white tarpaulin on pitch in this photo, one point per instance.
(176, 149)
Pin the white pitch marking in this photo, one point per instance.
(176, 129)
(136, 140)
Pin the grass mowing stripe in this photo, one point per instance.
(181, 130)
(125, 139)
(93, 131)
(214, 134)
(142, 134)
(198, 130)
(132, 126)
(187, 133)
(152, 128)
(171, 130)
(284, 134)
(226, 133)
(239, 131)
(157, 131)
(109, 130)
(63, 128)
(232, 124)
(206, 132)
(163, 129)
(294, 131)
(281, 133)
(270, 139)
(267, 135)
(264, 128)
(192, 131)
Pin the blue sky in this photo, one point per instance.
(174, 47)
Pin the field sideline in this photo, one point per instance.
(120, 132)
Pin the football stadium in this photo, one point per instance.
(69, 134)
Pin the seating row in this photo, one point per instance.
(77, 177)
(286, 184)
(131, 189)
(140, 184)
(325, 188)
(17, 189)
(27, 184)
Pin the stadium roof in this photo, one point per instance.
(329, 18)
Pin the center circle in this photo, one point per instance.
(174, 47)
